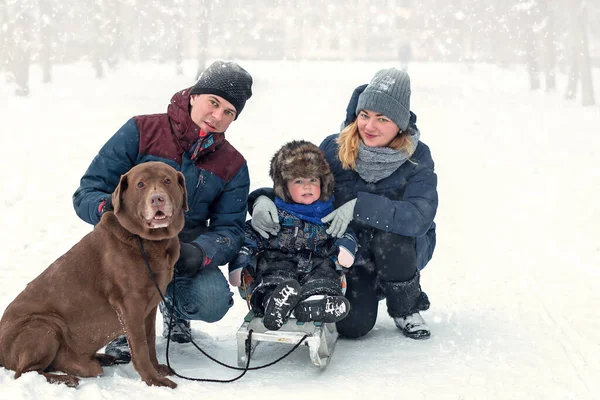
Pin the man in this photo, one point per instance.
(190, 137)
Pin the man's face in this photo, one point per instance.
(211, 113)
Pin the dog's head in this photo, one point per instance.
(150, 200)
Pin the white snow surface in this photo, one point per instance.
(515, 275)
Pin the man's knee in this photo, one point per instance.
(206, 297)
(217, 309)
(206, 308)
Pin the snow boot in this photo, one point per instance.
(413, 326)
(280, 303)
(403, 298)
(322, 308)
(181, 331)
(119, 350)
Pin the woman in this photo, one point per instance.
(386, 191)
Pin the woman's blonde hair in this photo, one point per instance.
(349, 140)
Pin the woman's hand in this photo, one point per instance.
(340, 218)
(264, 217)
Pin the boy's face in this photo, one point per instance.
(304, 190)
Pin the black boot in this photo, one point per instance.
(322, 308)
(119, 350)
(404, 301)
(181, 330)
(280, 303)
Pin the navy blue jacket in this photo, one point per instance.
(405, 203)
(216, 175)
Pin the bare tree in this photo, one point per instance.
(47, 38)
(580, 55)
(202, 18)
(178, 24)
(547, 15)
(19, 24)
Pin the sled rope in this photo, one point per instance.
(248, 342)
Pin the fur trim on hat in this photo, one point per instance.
(300, 159)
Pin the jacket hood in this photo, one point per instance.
(185, 131)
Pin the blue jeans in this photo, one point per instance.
(202, 297)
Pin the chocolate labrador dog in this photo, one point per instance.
(101, 288)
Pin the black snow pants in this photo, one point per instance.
(274, 267)
(386, 268)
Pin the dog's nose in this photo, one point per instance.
(157, 200)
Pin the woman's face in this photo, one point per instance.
(375, 129)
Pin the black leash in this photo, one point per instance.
(248, 342)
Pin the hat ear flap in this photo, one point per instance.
(280, 188)
(275, 174)
(327, 184)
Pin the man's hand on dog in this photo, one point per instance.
(191, 259)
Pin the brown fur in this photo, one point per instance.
(300, 159)
(101, 288)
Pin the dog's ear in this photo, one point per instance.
(181, 182)
(116, 196)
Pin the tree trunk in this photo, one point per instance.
(202, 38)
(531, 18)
(179, 23)
(587, 85)
(46, 39)
(21, 57)
(548, 14)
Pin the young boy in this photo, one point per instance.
(296, 269)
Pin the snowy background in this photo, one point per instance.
(513, 282)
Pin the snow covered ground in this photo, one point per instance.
(513, 283)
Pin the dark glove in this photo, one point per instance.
(191, 259)
(106, 205)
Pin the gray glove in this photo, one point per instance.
(264, 217)
(340, 218)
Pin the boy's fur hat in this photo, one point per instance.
(300, 159)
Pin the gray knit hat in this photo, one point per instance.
(228, 80)
(388, 93)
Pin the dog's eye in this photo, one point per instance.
(141, 185)
(167, 181)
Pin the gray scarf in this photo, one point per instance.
(376, 163)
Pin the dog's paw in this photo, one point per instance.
(163, 370)
(69, 380)
(160, 381)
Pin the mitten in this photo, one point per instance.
(235, 277)
(237, 265)
(191, 259)
(264, 217)
(105, 205)
(340, 218)
(345, 258)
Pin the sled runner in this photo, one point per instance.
(320, 341)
